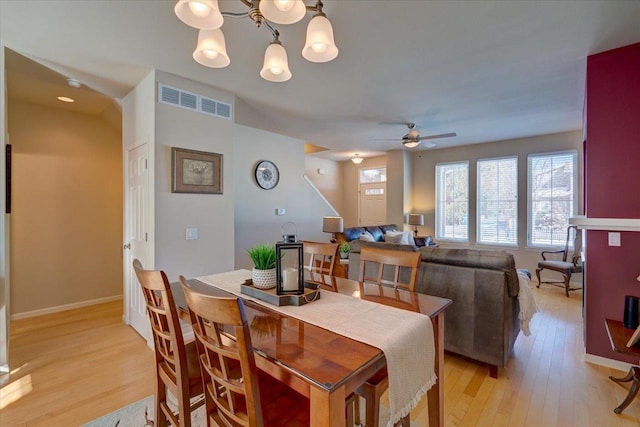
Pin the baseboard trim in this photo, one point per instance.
(65, 307)
(607, 363)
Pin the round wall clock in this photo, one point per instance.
(267, 174)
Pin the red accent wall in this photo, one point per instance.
(612, 189)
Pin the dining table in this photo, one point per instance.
(322, 364)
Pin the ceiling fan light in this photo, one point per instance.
(276, 64)
(211, 50)
(319, 46)
(201, 14)
(283, 11)
(411, 144)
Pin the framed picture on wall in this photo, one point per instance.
(195, 171)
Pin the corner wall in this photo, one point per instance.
(67, 208)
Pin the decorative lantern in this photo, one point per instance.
(289, 265)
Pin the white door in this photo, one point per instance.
(135, 242)
(373, 203)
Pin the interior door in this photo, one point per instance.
(136, 237)
(373, 203)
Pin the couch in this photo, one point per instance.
(482, 322)
(377, 231)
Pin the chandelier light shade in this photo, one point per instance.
(211, 50)
(411, 144)
(276, 65)
(357, 159)
(201, 14)
(320, 46)
(283, 11)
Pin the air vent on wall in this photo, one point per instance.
(194, 102)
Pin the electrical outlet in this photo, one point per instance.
(280, 211)
(192, 233)
(614, 239)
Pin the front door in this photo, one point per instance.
(373, 203)
(136, 237)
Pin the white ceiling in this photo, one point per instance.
(488, 70)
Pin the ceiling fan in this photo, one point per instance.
(413, 138)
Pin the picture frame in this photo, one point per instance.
(194, 171)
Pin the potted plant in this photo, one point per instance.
(264, 265)
(344, 250)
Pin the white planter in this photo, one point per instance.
(264, 279)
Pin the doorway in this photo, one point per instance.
(372, 205)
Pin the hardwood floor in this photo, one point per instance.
(69, 368)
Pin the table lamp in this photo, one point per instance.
(333, 225)
(416, 219)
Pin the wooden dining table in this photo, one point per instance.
(324, 365)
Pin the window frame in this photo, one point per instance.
(513, 244)
(439, 227)
(574, 201)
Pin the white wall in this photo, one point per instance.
(255, 217)
(330, 183)
(424, 184)
(212, 214)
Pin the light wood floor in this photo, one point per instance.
(69, 368)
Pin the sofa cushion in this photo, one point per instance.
(401, 237)
(367, 237)
(376, 232)
(353, 233)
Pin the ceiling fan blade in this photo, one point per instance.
(388, 140)
(442, 135)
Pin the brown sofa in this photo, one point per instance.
(482, 323)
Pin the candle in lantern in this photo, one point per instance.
(290, 279)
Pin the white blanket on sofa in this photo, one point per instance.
(528, 306)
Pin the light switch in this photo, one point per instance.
(614, 239)
(280, 211)
(192, 233)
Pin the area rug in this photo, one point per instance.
(140, 414)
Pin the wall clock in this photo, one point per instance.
(267, 174)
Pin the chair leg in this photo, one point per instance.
(567, 277)
(161, 397)
(538, 276)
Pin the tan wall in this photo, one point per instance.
(329, 183)
(424, 184)
(67, 208)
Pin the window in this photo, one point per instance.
(552, 197)
(374, 192)
(373, 175)
(498, 201)
(452, 201)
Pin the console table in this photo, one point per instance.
(619, 336)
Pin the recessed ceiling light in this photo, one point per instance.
(66, 99)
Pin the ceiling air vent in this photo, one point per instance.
(193, 102)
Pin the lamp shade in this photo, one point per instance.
(332, 224)
(319, 46)
(411, 143)
(276, 64)
(211, 50)
(283, 11)
(416, 219)
(201, 14)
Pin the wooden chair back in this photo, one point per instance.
(391, 259)
(171, 354)
(322, 256)
(232, 395)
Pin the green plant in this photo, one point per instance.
(345, 248)
(263, 256)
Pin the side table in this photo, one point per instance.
(619, 336)
(341, 268)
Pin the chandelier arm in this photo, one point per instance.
(274, 32)
(247, 3)
(235, 14)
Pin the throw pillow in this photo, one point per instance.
(400, 237)
(367, 237)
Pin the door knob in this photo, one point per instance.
(127, 246)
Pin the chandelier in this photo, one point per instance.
(211, 51)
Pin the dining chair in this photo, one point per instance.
(385, 259)
(322, 256)
(566, 265)
(237, 393)
(177, 369)
(372, 389)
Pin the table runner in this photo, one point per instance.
(410, 356)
